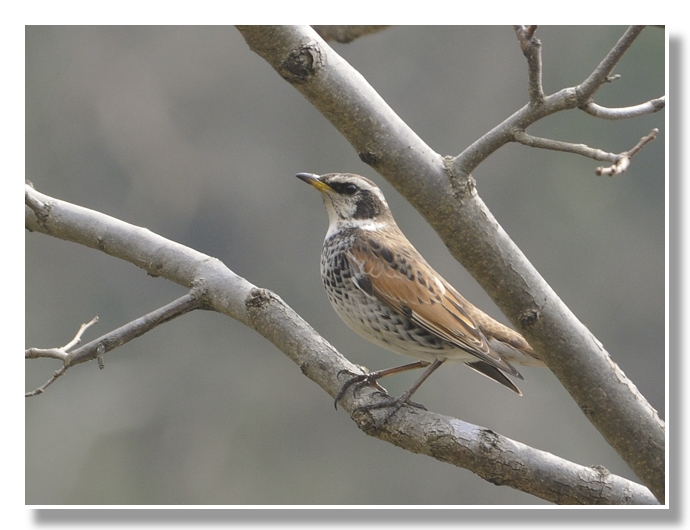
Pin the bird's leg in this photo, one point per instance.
(405, 398)
(372, 377)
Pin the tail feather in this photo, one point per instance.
(494, 373)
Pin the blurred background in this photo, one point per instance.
(185, 131)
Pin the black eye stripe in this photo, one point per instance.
(346, 188)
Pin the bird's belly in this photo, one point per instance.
(373, 319)
(384, 326)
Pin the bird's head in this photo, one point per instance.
(351, 200)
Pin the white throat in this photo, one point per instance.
(363, 224)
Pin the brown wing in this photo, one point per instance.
(403, 280)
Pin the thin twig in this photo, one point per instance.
(531, 48)
(621, 161)
(99, 347)
(62, 352)
(50, 381)
(556, 145)
(643, 141)
(77, 338)
(648, 107)
(602, 72)
(616, 169)
(567, 98)
(624, 161)
(56, 353)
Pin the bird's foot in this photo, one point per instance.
(393, 404)
(358, 380)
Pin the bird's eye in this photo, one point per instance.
(351, 189)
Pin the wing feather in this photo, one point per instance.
(405, 281)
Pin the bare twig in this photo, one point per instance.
(77, 338)
(97, 348)
(616, 169)
(648, 107)
(55, 353)
(490, 455)
(624, 158)
(602, 72)
(531, 48)
(565, 99)
(621, 161)
(555, 145)
(50, 381)
(60, 353)
(643, 141)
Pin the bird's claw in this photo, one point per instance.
(387, 401)
(395, 404)
(359, 380)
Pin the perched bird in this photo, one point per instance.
(384, 289)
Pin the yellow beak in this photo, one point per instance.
(314, 180)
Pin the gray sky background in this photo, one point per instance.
(185, 131)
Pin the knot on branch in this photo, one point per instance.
(463, 187)
(529, 317)
(258, 299)
(488, 441)
(369, 158)
(302, 63)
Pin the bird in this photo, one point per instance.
(385, 291)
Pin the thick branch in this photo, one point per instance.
(492, 456)
(444, 194)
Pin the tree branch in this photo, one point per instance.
(540, 106)
(648, 107)
(623, 160)
(531, 47)
(98, 348)
(444, 193)
(490, 455)
(602, 72)
(620, 161)
(56, 353)
(346, 34)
